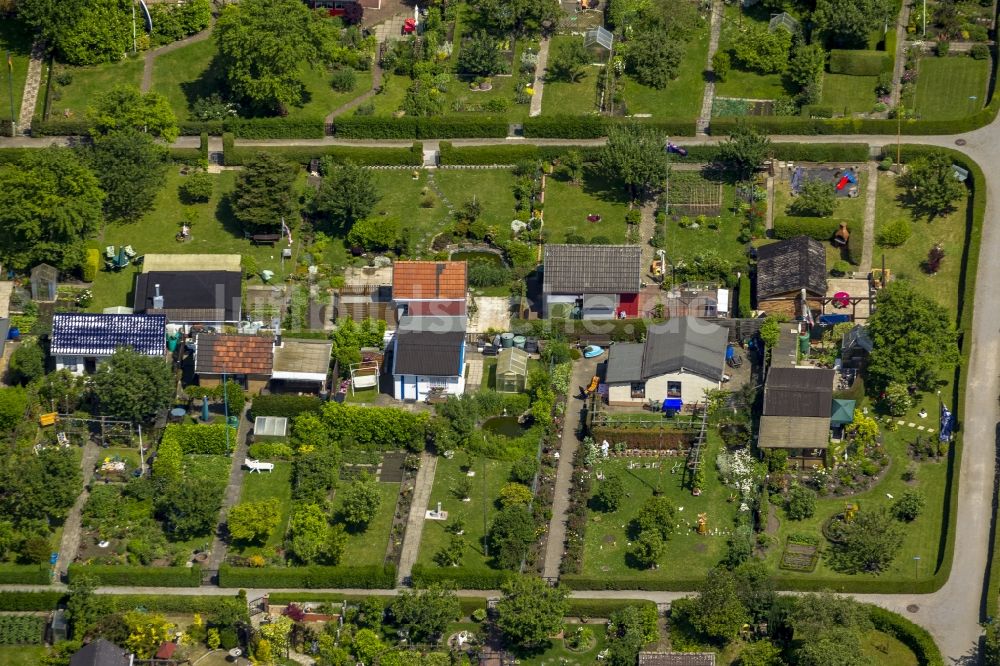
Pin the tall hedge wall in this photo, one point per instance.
(452, 155)
(202, 438)
(595, 127)
(461, 579)
(412, 156)
(288, 406)
(30, 601)
(373, 577)
(137, 576)
(820, 228)
(410, 127)
(24, 574)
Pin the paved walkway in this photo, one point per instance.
(583, 370)
(32, 84)
(233, 489)
(150, 57)
(541, 70)
(473, 375)
(871, 200)
(708, 97)
(647, 232)
(900, 61)
(70, 542)
(415, 523)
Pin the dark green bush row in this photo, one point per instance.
(59, 127)
(135, 576)
(13, 155)
(189, 156)
(603, 608)
(411, 127)
(820, 152)
(595, 127)
(586, 582)
(412, 156)
(822, 126)
(462, 580)
(6, 128)
(509, 154)
(909, 634)
(30, 601)
(371, 577)
(288, 406)
(820, 228)
(275, 128)
(163, 603)
(859, 63)
(196, 127)
(228, 146)
(817, 111)
(467, 604)
(24, 574)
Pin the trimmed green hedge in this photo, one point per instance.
(189, 156)
(859, 63)
(452, 155)
(820, 228)
(822, 126)
(275, 128)
(588, 582)
(202, 438)
(164, 603)
(603, 608)
(228, 146)
(410, 127)
(412, 156)
(196, 127)
(24, 574)
(821, 152)
(595, 127)
(909, 634)
(30, 601)
(13, 155)
(288, 406)
(59, 127)
(136, 576)
(463, 580)
(372, 577)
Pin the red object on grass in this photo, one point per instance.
(166, 651)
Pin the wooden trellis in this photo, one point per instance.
(690, 194)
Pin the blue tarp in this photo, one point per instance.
(830, 319)
(672, 403)
(946, 424)
(730, 353)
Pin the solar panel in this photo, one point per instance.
(79, 334)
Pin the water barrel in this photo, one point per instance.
(172, 341)
(507, 340)
(519, 341)
(804, 344)
(14, 333)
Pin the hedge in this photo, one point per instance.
(410, 127)
(745, 309)
(164, 603)
(821, 126)
(275, 128)
(202, 438)
(595, 127)
(821, 152)
(859, 63)
(820, 228)
(189, 156)
(288, 406)
(423, 575)
(228, 145)
(450, 155)
(14, 155)
(24, 574)
(586, 582)
(412, 156)
(372, 577)
(196, 127)
(30, 601)
(138, 576)
(603, 608)
(91, 264)
(59, 127)
(909, 634)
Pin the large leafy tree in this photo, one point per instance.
(264, 193)
(629, 630)
(525, 17)
(848, 23)
(480, 56)
(50, 204)
(262, 46)
(744, 151)
(828, 629)
(568, 61)
(530, 611)
(132, 169)
(913, 339)
(133, 386)
(931, 186)
(189, 507)
(638, 155)
(346, 195)
(653, 57)
(38, 486)
(870, 542)
(125, 106)
(425, 614)
(85, 32)
(311, 538)
(760, 50)
(511, 533)
(254, 521)
(717, 613)
(361, 501)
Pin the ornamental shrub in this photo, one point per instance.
(895, 233)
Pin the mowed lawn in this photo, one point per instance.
(849, 94)
(15, 38)
(681, 97)
(368, 546)
(258, 487)
(567, 207)
(946, 87)
(492, 188)
(71, 101)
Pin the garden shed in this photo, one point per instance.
(44, 279)
(512, 370)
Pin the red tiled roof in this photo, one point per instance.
(429, 279)
(233, 354)
(436, 309)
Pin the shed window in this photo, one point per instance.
(638, 389)
(673, 389)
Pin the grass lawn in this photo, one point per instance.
(688, 554)
(182, 76)
(489, 373)
(681, 98)
(401, 198)
(89, 82)
(882, 648)
(567, 207)
(15, 38)
(321, 99)
(852, 210)
(684, 243)
(213, 231)
(493, 188)
(471, 513)
(750, 85)
(558, 653)
(945, 87)
(563, 97)
(849, 94)
(391, 96)
(904, 261)
(22, 655)
(369, 546)
(257, 487)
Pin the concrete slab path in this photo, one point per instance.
(415, 523)
(70, 542)
(232, 496)
(541, 70)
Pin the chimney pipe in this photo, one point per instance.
(157, 299)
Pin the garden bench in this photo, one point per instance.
(265, 239)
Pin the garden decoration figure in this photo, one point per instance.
(850, 510)
(703, 523)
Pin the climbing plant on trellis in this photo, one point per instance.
(688, 193)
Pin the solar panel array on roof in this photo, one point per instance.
(80, 334)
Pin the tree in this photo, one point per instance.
(913, 339)
(13, 407)
(425, 614)
(515, 494)
(39, 486)
(629, 629)
(653, 58)
(264, 191)
(50, 204)
(254, 521)
(350, 337)
(315, 472)
(189, 507)
(510, 535)
(895, 233)
(931, 186)
(81, 606)
(262, 45)
(197, 188)
(647, 550)
(451, 555)
(870, 542)
(480, 56)
(568, 61)
(909, 505)
(801, 502)
(346, 195)
(848, 23)
(722, 62)
(27, 363)
(572, 166)
(146, 632)
(524, 469)
(367, 646)
(744, 151)
(638, 155)
(374, 233)
(530, 611)
(717, 612)
(132, 169)
(361, 501)
(657, 513)
(758, 49)
(807, 64)
(82, 33)
(833, 647)
(522, 17)
(133, 386)
(761, 653)
(126, 107)
(815, 199)
(276, 633)
(610, 493)
(311, 538)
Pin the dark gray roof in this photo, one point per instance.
(100, 653)
(791, 265)
(433, 324)
(624, 363)
(799, 392)
(79, 334)
(427, 353)
(592, 269)
(191, 296)
(683, 343)
(676, 659)
(857, 337)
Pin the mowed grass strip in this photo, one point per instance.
(946, 87)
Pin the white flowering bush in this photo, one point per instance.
(738, 470)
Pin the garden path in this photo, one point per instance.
(539, 84)
(32, 83)
(415, 522)
(705, 117)
(583, 370)
(900, 60)
(153, 54)
(647, 231)
(360, 99)
(233, 488)
(871, 198)
(770, 203)
(71, 528)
